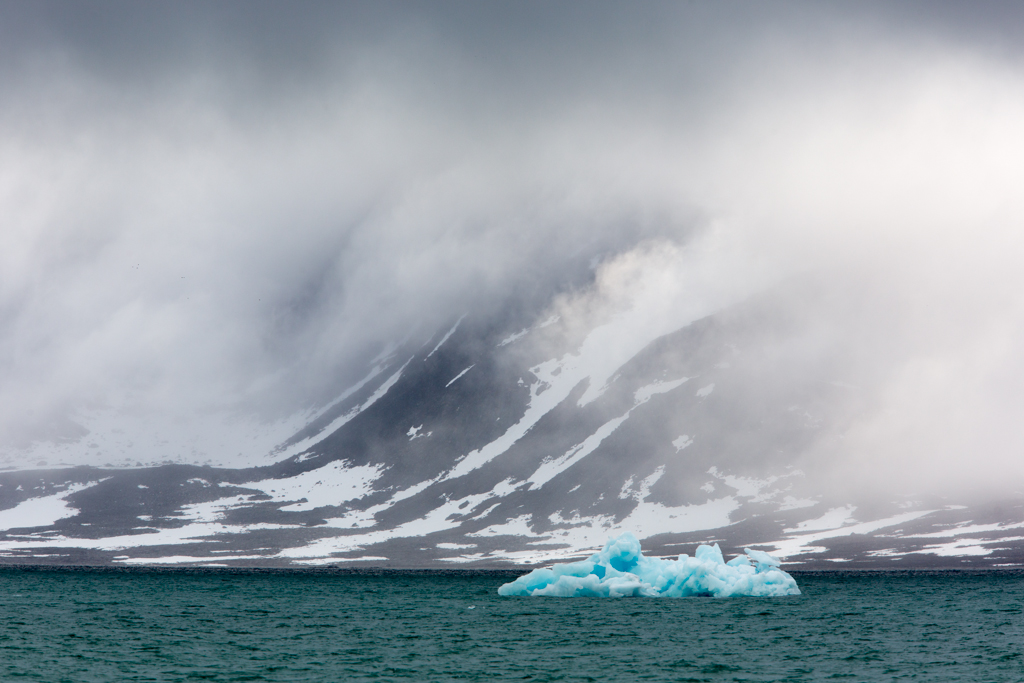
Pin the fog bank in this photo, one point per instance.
(227, 211)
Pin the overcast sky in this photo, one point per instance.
(228, 207)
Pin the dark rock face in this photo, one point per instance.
(484, 451)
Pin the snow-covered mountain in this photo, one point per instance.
(523, 439)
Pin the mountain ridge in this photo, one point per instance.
(481, 451)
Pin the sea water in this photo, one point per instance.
(324, 625)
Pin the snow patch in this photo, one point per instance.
(805, 543)
(682, 441)
(42, 511)
(579, 533)
(970, 529)
(513, 337)
(181, 535)
(333, 484)
(644, 394)
(833, 519)
(757, 490)
(458, 376)
(185, 559)
(962, 547)
(517, 526)
(448, 515)
(416, 433)
(644, 488)
(793, 503)
(448, 335)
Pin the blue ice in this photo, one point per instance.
(621, 570)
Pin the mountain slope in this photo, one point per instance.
(482, 446)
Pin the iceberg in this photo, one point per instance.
(621, 570)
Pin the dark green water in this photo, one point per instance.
(185, 626)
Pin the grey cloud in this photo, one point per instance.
(229, 207)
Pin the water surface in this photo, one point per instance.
(159, 625)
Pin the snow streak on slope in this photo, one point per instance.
(307, 443)
(374, 372)
(643, 294)
(544, 397)
(447, 336)
(549, 469)
(604, 351)
(800, 544)
(457, 377)
(377, 369)
(513, 337)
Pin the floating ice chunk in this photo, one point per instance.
(710, 553)
(621, 570)
(764, 560)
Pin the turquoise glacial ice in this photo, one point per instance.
(621, 570)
